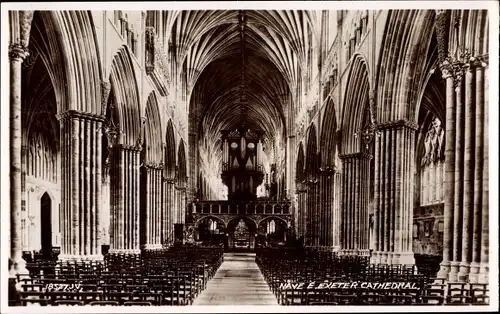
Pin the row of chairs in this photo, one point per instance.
(303, 266)
(168, 277)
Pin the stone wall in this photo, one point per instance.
(428, 230)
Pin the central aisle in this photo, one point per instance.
(237, 282)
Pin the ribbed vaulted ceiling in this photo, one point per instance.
(208, 47)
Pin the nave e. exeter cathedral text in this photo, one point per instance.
(350, 135)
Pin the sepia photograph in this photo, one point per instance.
(249, 156)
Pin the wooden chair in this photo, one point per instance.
(90, 296)
(34, 301)
(135, 303)
(68, 302)
(105, 303)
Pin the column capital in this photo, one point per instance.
(441, 11)
(168, 180)
(17, 52)
(69, 114)
(150, 165)
(311, 182)
(479, 61)
(398, 124)
(328, 171)
(132, 148)
(356, 156)
(446, 70)
(454, 68)
(300, 191)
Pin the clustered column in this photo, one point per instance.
(154, 206)
(125, 200)
(81, 165)
(354, 229)
(301, 209)
(393, 200)
(180, 204)
(329, 208)
(466, 245)
(193, 157)
(168, 211)
(312, 222)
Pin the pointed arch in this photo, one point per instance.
(356, 100)
(47, 45)
(181, 164)
(170, 156)
(126, 92)
(311, 166)
(275, 218)
(407, 36)
(46, 222)
(152, 129)
(328, 145)
(213, 217)
(299, 167)
(77, 67)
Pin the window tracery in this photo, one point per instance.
(432, 165)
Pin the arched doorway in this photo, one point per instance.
(241, 232)
(46, 225)
(272, 233)
(211, 231)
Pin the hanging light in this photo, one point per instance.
(367, 134)
(370, 130)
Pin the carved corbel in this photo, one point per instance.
(138, 143)
(25, 21)
(105, 90)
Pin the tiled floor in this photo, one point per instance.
(237, 282)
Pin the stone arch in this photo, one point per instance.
(299, 172)
(46, 87)
(152, 128)
(198, 221)
(251, 224)
(279, 234)
(72, 58)
(311, 162)
(431, 102)
(46, 222)
(182, 164)
(356, 101)
(40, 150)
(170, 156)
(272, 217)
(406, 40)
(126, 92)
(329, 141)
